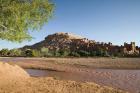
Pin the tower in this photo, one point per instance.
(133, 47)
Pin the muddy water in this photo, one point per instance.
(128, 80)
(57, 75)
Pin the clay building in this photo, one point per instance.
(130, 48)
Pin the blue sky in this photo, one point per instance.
(115, 21)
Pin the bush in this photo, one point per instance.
(44, 51)
(32, 53)
(93, 53)
(15, 52)
(105, 54)
(57, 53)
(74, 54)
(99, 52)
(4, 52)
(64, 53)
(28, 53)
(84, 53)
(118, 55)
(50, 54)
(36, 53)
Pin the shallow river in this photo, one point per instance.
(124, 79)
(128, 80)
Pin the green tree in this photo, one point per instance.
(15, 52)
(36, 53)
(28, 53)
(57, 53)
(32, 53)
(99, 52)
(64, 53)
(93, 53)
(51, 53)
(74, 54)
(105, 53)
(17, 17)
(4, 52)
(84, 53)
(44, 51)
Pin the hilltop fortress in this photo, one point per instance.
(67, 41)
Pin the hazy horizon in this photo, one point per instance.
(115, 21)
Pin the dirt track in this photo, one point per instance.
(90, 70)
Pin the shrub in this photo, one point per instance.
(32, 53)
(4, 52)
(84, 53)
(36, 53)
(15, 52)
(50, 54)
(28, 53)
(118, 55)
(105, 53)
(64, 53)
(74, 54)
(93, 53)
(44, 51)
(99, 52)
(57, 53)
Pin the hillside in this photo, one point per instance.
(59, 41)
(67, 41)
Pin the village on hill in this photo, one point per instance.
(68, 41)
(67, 44)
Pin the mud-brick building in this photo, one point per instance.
(67, 41)
(131, 48)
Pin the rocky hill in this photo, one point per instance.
(59, 41)
(67, 41)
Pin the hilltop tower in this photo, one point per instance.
(133, 47)
(130, 48)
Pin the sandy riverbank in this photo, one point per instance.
(120, 73)
(15, 80)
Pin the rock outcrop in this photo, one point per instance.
(60, 41)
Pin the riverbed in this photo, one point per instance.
(118, 73)
(128, 80)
